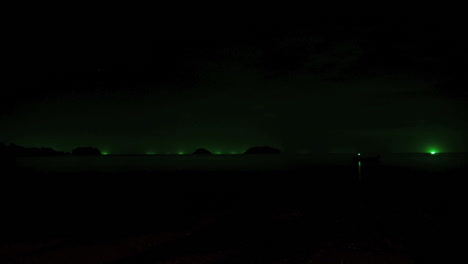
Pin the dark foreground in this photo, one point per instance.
(301, 215)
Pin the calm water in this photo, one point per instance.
(231, 162)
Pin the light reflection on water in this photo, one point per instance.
(359, 169)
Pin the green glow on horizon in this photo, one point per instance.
(181, 153)
(432, 151)
(218, 153)
(150, 153)
(105, 153)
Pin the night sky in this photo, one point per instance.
(330, 84)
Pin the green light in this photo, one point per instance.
(180, 153)
(359, 154)
(150, 153)
(104, 153)
(432, 151)
(218, 153)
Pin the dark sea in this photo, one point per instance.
(403, 208)
(148, 163)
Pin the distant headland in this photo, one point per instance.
(13, 150)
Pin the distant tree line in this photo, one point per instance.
(253, 150)
(14, 150)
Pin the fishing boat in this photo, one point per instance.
(367, 158)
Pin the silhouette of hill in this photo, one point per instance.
(262, 150)
(15, 150)
(202, 151)
(86, 151)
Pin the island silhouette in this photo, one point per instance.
(18, 151)
(202, 151)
